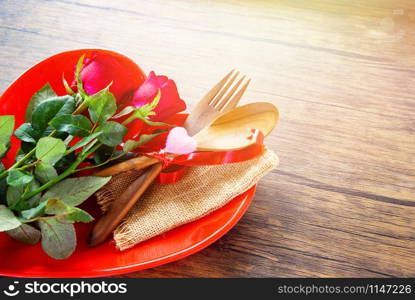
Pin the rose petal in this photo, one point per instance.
(170, 102)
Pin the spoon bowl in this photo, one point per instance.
(233, 130)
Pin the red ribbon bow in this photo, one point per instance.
(174, 167)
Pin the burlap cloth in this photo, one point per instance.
(166, 206)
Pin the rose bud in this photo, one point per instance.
(99, 70)
(170, 102)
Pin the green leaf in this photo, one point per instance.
(76, 125)
(112, 133)
(3, 150)
(153, 104)
(79, 215)
(17, 178)
(66, 85)
(78, 70)
(156, 124)
(45, 172)
(50, 150)
(3, 187)
(58, 237)
(25, 148)
(6, 129)
(65, 162)
(102, 106)
(102, 154)
(147, 109)
(35, 211)
(43, 94)
(74, 191)
(49, 109)
(84, 141)
(130, 145)
(127, 110)
(88, 147)
(34, 185)
(144, 139)
(50, 206)
(55, 206)
(25, 234)
(26, 133)
(14, 194)
(8, 220)
(73, 214)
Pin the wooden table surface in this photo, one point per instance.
(342, 72)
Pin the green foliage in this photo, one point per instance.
(25, 234)
(74, 191)
(127, 110)
(58, 237)
(50, 150)
(72, 214)
(78, 70)
(112, 133)
(15, 193)
(65, 162)
(35, 211)
(26, 133)
(102, 106)
(6, 128)
(6, 131)
(46, 92)
(8, 220)
(18, 178)
(76, 125)
(49, 109)
(147, 110)
(144, 139)
(67, 87)
(45, 172)
(84, 141)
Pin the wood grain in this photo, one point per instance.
(342, 202)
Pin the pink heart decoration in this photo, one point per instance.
(179, 142)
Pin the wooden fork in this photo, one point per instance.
(219, 100)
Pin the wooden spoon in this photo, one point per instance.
(229, 132)
(124, 204)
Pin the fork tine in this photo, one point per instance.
(219, 96)
(235, 99)
(214, 91)
(228, 96)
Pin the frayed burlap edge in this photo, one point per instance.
(164, 207)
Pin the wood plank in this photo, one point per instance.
(342, 74)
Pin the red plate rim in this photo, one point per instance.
(240, 211)
(207, 241)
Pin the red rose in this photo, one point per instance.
(100, 69)
(170, 102)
